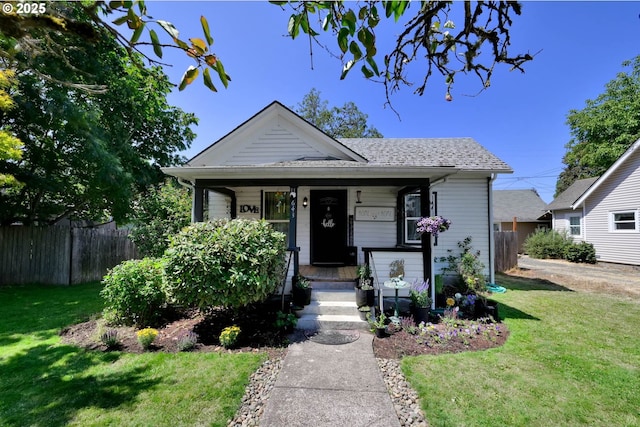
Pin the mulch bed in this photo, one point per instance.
(258, 335)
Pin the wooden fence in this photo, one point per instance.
(506, 250)
(60, 255)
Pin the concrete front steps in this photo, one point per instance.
(333, 306)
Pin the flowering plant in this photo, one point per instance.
(432, 224)
(146, 337)
(419, 294)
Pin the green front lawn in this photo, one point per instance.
(46, 383)
(572, 359)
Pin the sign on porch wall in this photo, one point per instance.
(375, 213)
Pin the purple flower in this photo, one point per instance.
(432, 224)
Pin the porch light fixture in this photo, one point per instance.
(358, 195)
(305, 202)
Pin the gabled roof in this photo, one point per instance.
(276, 142)
(273, 122)
(568, 197)
(634, 149)
(525, 205)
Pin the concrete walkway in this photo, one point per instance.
(330, 385)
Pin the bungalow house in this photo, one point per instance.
(605, 211)
(347, 201)
(521, 211)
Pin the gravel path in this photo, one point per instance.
(404, 398)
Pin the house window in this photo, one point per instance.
(276, 210)
(624, 221)
(411, 217)
(574, 226)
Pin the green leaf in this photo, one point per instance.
(293, 26)
(116, 4)
(347, 67)
(121, 20)
(374, 66)
(327, 20)
(349, 21)
(363, 13)
(343, 39)
(205, 29)
(224, 78)
(355, 50)
(169, 28)
(137, 33)
(207, 80)
(157, 49)
(181, 44)
(367, 72)
(188, 77)
(142, 7)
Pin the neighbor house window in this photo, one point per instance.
(574, 226)
(276, 209)
(624, 221)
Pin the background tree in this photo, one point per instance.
(160, 212)
(604, 129)
(338, 122)
(10, 146)
(86, 155)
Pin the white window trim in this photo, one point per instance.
(579, 225)
(636, 221)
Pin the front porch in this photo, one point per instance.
(329, 274)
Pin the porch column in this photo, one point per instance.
(427, 258)
(293, 222)
(197, 214)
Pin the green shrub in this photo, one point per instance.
(134, 293)
(225, 263)
(547, 244)
(581, 252)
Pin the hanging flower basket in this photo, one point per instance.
(432, 224)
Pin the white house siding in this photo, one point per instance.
(380, 266)
(561, 224)
(373, 234)
(620, 192)
(276, 144)
(465, 202)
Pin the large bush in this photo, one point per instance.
(225, 263)
(134, 293)
(581, 252)
(548, 243)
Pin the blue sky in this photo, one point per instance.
(520, 118)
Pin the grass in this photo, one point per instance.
(572, 359)
(46, 383)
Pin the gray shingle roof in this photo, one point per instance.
(526, 205)
(571, 194)
(463, 153)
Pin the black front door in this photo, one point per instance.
(328, 227)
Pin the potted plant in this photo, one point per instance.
(301, 291)
(420, 301)
(378, 325)
(365, 312)
(365, 294)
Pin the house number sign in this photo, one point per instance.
(375, 213)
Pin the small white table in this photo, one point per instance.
(396, 283)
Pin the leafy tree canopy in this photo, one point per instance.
(87, 154)
(159, 213)
(10, 146)
(443, 36)
(338, 122)
(604, 129)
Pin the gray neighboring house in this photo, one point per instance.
(347, 201)
(522, 211)
(605, 211)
